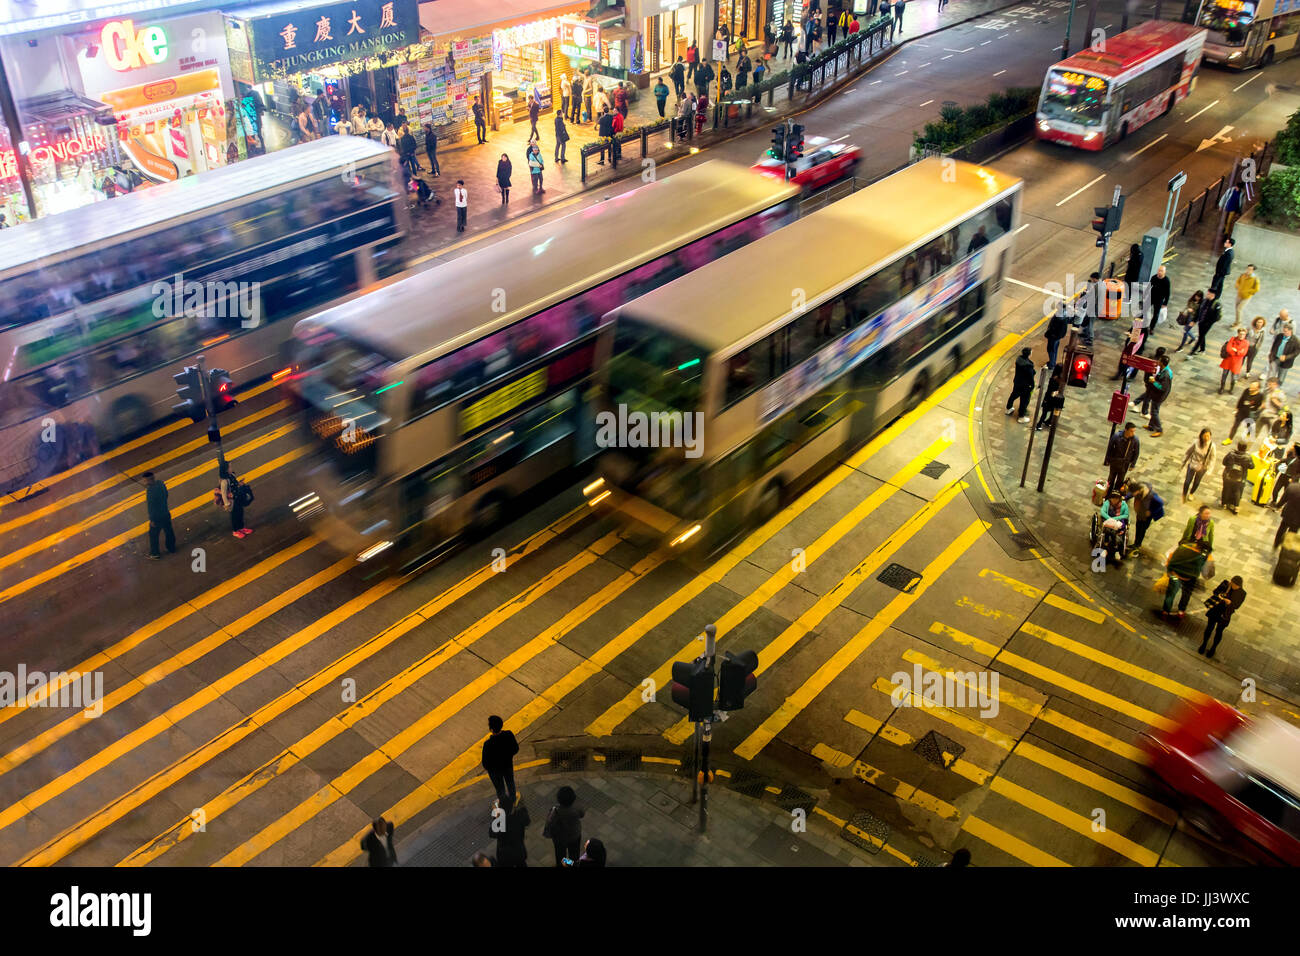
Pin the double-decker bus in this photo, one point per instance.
(1099, 96)
(100, 306)
(439, 398)
(816, 337)
(1246, 33)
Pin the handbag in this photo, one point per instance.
(1162, 584)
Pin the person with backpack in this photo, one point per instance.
(235, 497)
(1147, 506)
(1236, 465)
(1184, 566)
(1219, 607)
(564, 826)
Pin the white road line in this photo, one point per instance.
(1149, 145)
(927, 102)
(1021, 229)
(1201, 110)
(1034, 287)
(838, 138)
(986, 43)
(1081, 189)
(1251, 80)
(999, 72)
(1004, 36)
(847, 92)
(948, 57)
(873, 82)
(900, 73)
(951, 50)
(923, 66)
(1108, 26)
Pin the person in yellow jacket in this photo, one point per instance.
(845, 19)
(1247, 286)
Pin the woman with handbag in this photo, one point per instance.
(1187, 318)
(1227, 597)
(564, 826)
(1197, 461)
(235, 496)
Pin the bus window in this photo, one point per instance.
(656, 368)
(742, 378)
(909, 275)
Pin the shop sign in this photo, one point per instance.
(121, 51)
(162, 91)
(579, 38)
(127, 48)
(289, 38)
(526, 34)
(59, 152)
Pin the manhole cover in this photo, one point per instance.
(934, 469)
(925, 861)
(662, 802)
(864, 823)
(792, 798)
(1023, 539)
(748, 783)
(569, 761)
(900, 578)
(1001, 509)
(622, 760)
(939, 750)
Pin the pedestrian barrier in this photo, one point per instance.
(1260, 159)
(643, 133)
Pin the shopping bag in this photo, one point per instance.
(1162, 584)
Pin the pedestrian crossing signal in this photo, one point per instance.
(778, 143)
(1080, 369)
(189, 389)
(693, 688)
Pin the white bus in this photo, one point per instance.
(100, 306)
(1246, 33)
(801, 345)
(440, 398)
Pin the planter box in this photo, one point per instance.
(998, 141)
(1270, 247)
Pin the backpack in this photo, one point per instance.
(240, 492)
(1156, 507)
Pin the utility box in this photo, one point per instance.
(1153, 252)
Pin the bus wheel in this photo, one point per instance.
(954, 364)
(1123, 132)
(130, 415)
(770, 502)
(1169, 105)
(920, 389)
(489, 513)
(1267, 58)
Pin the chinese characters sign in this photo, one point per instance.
(288, 38)
(579, 38)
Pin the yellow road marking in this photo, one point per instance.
(1087, 613)
(1028, 590)
(846, 655)
(1073, 821)
(133, 445)
(1022, 704)
(966, 640)
(1095, 781)
(1020, 587)
(1008, 844)
(864, 721)
(1114, 663)
(812, 618)
(142, 634)
(158, 672)
(976, 728)
(130, 473)
(829, 755)
(90, 554)
(1093, 735)
(75, 836)
(904, 791)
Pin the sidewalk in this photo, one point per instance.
(1262, 641)
(435, 227)
(644, 818)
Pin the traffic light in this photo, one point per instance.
(693, 688)
(189, 389)
(221, 389)
(1080, 368)
(1101, 223)
(736, 679)
(794, 144)
(1114, 215)
(778, 143)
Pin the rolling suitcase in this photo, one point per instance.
(1288, 561)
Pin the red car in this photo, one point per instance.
(820, 165)
(1238, 777)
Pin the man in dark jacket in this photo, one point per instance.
(703, 77)
(561, 138)
(406, 147)
(1236, 465)
(1227, 597)
(1222, 267)
(575, 109)
(1206, 317)
(1160, 385)
(534, 111)
(1282, 353)
(431, 148)
(605, 129)
(378, 843)
(1289, 505)
(1057, 327)
(499, 760)
(480, 120)
(160, 518)
(1121, 455)
(1184, 567)
(1157, 299)
(678, 74)
(1022, 385)
(510, 835)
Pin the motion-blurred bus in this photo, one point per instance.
(817, 337)
(1246, 33)
(439, 399)
(100, 306)
(1098, 96)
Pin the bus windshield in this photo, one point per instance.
(1072, 96)
(1229, 20)
(653, 370)
(340, 393)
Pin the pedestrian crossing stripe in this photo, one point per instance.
(1095, 781)
(1022, 704)
(1012, 846)
(1074, 821)
(970, 725)
(1091, 653)
(1091, 734)
(1038, 594)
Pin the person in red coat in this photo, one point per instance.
(1234, 357)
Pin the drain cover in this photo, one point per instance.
(939, 750)
(622, 760)
(934, 469)
(864, 822)
(900, 578)
(1023, 539)
(792, 798)
(925, 861)
(569, 761)
(1001, 509)
(748, 783)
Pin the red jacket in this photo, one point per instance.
(618, 121)
(1234, 354)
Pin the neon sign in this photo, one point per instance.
(126, 48)
(1082, 79)
(53, 152)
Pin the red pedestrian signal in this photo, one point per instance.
(1080, 369)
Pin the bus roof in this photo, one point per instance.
(725, 302)
(440, 309)
(54, 237)
(1131, 48)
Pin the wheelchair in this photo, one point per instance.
(1115, 541)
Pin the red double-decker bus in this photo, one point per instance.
(1101, 94)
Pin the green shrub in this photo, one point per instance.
(959, 125)
(1279, 197)
(1288, 142)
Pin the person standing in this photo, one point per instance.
(561, 138)
(534, 112)
(377, 844)
(306, 124)
(615, 145)
(480, 121)
(1206, 318)
(534, 157)
(1286, 472)
(760, 68)
(898, 13)
(1236, 465)
(678, 75)
(1283, 318)
(787, 39)
(661, 95)
(845, 20)
(854, 26)
(1158, 298)
(1282, 353)
(389, 137)
(1183, 568)
(1022, 385)
(692, 60)
(743, 66)
(1231, 203)
(605, 130)
(576, 94)
(160, 517)
(620, 101)
(1053, 398)
(832, 26)
(1248, 406)
(1200, 530)
(1289, 507)
(504, 168)
(566, 91)
(235, 496)
(593, 854)
(1197, 461)
(1233, 356)
(461, 196)
(564, 826)
(1247, 287)
(1057, 327)
(1121, 455)
(704, 75)
(1256, 338)
(1274, 402)
(511, 840)
(406, 148)
(1161, 384)
(499, 751)
(431, 148)
(1222, 267)
(1220, 605)
(375, 127)
(1132, 273)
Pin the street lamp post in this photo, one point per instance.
(1069, 20)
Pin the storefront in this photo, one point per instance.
(72, 147)
(668, 28)
(745, 18)
(328, 57)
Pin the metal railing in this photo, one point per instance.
(1262, 158)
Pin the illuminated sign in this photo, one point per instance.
(127, 48)
(526, 34)
(495, 404)
(59, 152)
(1084, 80)
(307, 36)
(580, 39)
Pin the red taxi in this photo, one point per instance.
(1238, 776)
(819, 166)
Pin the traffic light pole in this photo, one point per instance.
(705, 732)
(1043, 376)
(1056, 412)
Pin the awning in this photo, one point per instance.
(471, 17)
